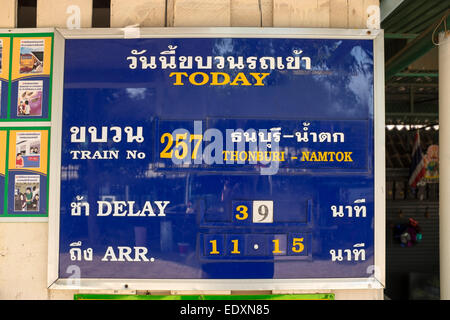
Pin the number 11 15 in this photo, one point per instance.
(297, 246)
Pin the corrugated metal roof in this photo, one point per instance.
(412, 95)
(414, 16)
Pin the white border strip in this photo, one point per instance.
(27, 30)
(215, 285)
(23, 219)
(201, 32)
(379, 159)
(55, 158)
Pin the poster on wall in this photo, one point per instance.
(26, 193)
(205, 158)
(27, 175)
(1, 72)
(30, 98)
(4, 76)
(3, 155)
(31, 56)
(25, 96)
(28, 146)
(31, 77)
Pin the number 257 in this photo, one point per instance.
(181, 145)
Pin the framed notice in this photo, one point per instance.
(24, 173)
(220, 159)
(26, 75)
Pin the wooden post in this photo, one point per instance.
(301, 13)
(357, 13)
(64, 13)
(169, 13)
(145, 13)
(202, 13)
(323, 13)
(8, 13)
(245, 13)
(338, 14)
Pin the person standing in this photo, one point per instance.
(35, 203)
(23, 202)
(27, 109)
(19, 161)
(29, 198)
(35, 191)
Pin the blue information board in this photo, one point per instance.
(217, 158)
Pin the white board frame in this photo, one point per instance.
(376, 273)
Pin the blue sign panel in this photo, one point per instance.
(217, 158)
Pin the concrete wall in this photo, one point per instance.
(8, 12)
(198, 13)
(145, 13)
(23, 246)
